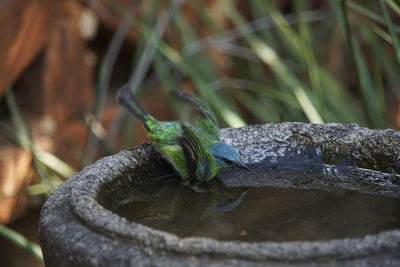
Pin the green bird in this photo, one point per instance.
(195, 151)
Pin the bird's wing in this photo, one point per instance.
(207, 123)
(193, 150)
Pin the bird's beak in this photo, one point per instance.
(242, 166)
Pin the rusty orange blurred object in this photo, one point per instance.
(44, 57)
(14, 166)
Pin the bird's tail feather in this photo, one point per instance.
(126, 98)
(195, 102)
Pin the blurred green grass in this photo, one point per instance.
(281, 70)
(302, 61)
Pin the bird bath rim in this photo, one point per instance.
(85, 206)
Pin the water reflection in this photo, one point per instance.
(250, 214)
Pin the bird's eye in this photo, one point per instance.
(227, 161)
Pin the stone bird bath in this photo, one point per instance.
(78, 229)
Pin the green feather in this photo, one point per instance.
(198, 161)
(207, 124)
(185, 146)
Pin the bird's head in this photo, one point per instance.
(226, 156)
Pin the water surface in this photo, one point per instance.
(250, 214)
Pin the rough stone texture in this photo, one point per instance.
(76, 231)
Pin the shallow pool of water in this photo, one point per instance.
(250, 214)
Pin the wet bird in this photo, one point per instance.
(195, 151)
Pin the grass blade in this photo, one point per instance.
(21, 241)
(392, 30)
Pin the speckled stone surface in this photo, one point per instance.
(76, 231)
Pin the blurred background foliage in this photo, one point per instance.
(252, 62)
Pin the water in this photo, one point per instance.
(249, 214)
